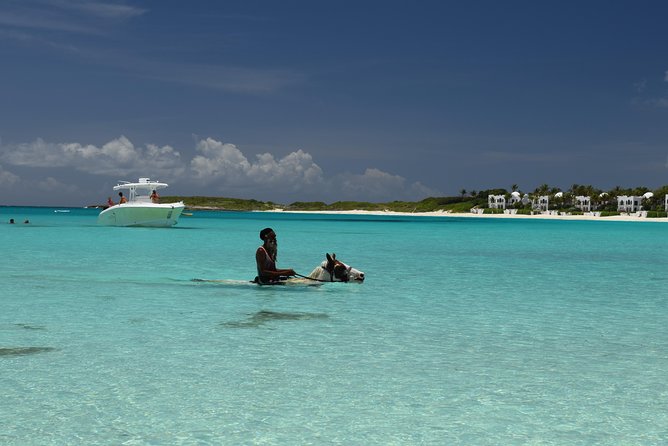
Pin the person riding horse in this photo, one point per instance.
(265, 259)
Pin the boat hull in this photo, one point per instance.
(141, 214)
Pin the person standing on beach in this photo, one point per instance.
(265, 259)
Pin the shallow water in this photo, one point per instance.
(467, 331)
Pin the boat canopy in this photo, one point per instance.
(143, 187)
(143, 183)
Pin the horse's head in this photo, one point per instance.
(340, 272)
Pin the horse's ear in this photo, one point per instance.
(333, 256)
(329, 258)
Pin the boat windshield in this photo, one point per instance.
(142, 190)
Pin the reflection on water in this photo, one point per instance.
(31, 327)
(20, 351)
(264, 316)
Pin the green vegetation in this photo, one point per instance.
(562, 201)
(500, 211)
(453, 204)
(222, 203)
(308, 206)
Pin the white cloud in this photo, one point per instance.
(296, 169)
(51, 184)
(237, 79)
(418, 191)
(7, 178)
(164, 158)
(373, 182)
(121, 150)
(101, 9)
(225, 165)
(55, 24)
(35, 154)
(220, 168)
(376, 185)
(65, 15)
(219, 161)
(117, 157)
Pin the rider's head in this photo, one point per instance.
(266, 232)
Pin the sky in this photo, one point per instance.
(329, 100)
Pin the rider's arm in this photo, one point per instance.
(274, 274)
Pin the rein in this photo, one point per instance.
(311, 278)
(331, 276)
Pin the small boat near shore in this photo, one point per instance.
(140, 210)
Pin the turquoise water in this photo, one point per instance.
(467, 331)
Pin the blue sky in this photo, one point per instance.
(315, 100)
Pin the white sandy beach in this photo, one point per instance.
(446, 214)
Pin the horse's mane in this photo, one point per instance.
(319, 272)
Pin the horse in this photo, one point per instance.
(332, 270)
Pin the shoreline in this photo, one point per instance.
(446, 214)
(442, 214)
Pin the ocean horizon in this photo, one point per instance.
(466, 331)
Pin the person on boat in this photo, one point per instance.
(265, 258)
(155, 198)
(110, 202)
(123, 199)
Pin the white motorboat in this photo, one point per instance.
(140, 209)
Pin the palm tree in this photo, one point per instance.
(542, 189)
(463, 192)
(616, 192)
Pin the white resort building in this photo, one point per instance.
(666, 200)
(629, 203)
(583, 203)
(496, 201)
(542, 203)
